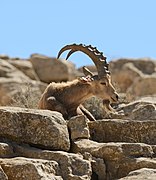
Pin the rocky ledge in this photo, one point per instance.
(37, 144)
(41, 145)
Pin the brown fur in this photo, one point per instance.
(68, 97)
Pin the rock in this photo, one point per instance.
(147, 99)
(126, 71)
(123, 131)
(17, 88)
(9, 71)
(26, 67)
(142, 87)
(24, 169)
(142, 109)
(145, 65)
(3, 176)
(41, 128)
(78, 127)
(154, 150)
(4, 57)
(146, 112)
(15, 92)
(99, 168)
(125, 77)
(141, 174)
(120, 158)
(51, 69)
(128, 108)
(112, 151)
(72, 166)
(130, 165)
(6, 150)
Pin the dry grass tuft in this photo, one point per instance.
(26, 97)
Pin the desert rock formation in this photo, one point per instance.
(42, 145)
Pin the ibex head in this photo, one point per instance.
(100, 84)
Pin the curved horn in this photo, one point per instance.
(97, 57)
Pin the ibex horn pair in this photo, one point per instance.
(97, 57)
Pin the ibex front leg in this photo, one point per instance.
(81, 110)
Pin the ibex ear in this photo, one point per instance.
(87, 79)
(87, 72)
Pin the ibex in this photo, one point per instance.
(67, 97)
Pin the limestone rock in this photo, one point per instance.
(141, 174)
(134, 164)
(146, 112)
(20, 93)
(4, 57)
(125, 77)
(112, 130)
(9, 71)
(26, 67)
(24, 169)
(6, 150)
(120, 158)
(51, 69)
(112, 151)
(145, 65)
(72, 166)
(78, 127)
(142, 109)
(99, 168)
(142, 87)
(41, 128)
(3, 176)
(14, 83)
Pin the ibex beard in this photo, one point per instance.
(67, 97)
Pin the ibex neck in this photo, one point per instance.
(77, 92)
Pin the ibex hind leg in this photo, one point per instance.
(81, 110)
(55, 105)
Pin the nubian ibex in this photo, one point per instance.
(67, 97)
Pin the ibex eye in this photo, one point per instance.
(103, 83)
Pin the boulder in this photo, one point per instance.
(51, 69)
(18, 89)
(144, 112)
(72, 166)
(141, 174)
(26, 67)
(78, 127)
(141, 109)
(142, 87)
(116, 130)
(112, 151)
(145, 65)
(99, 169)
(125, 77)
(24, 169)
(120, 158)
(4, 57)
(3, 176)
(41, 128)
(9, 71)
(15, 92)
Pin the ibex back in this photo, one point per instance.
(67, 97)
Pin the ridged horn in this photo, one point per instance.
(97, 57)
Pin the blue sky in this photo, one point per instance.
(119, 28)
